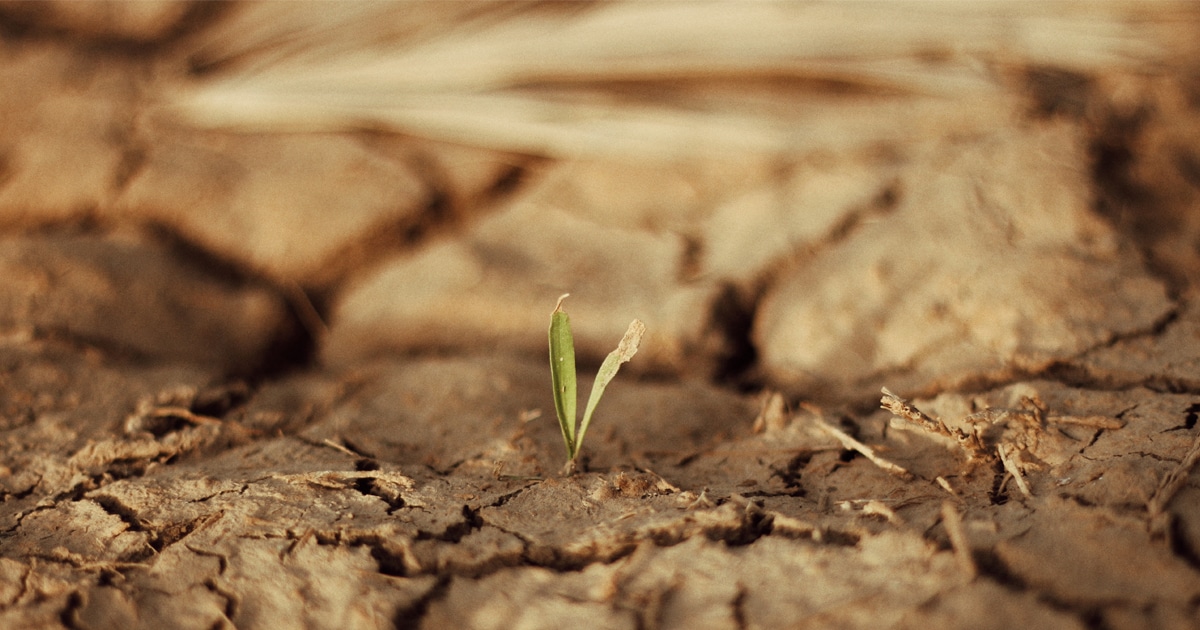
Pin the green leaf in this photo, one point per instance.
(562, 374)
(624, 352)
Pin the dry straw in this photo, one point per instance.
(657, 79)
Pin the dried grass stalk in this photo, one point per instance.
(666, 79)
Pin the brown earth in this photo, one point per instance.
(275, 280)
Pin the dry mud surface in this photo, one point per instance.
(275, 281)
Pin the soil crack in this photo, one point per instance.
(409, 618)
(70, 612)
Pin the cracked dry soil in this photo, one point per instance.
(351, 500)
(253, 378)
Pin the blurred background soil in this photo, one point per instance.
(275, 280)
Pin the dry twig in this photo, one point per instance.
(901, 408)
(1006, 452)
(1019, 431)
(864, 450)
(1171, 484)
(958, 539)
(941, 481)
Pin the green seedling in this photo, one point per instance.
(562, 375)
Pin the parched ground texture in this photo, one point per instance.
(275, 281)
